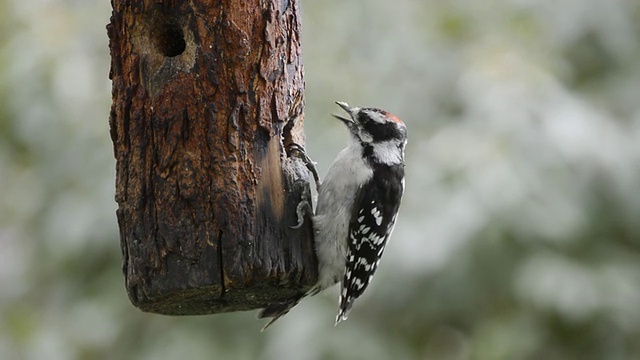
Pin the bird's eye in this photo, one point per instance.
(364, 119)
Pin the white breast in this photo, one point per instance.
(333, 210)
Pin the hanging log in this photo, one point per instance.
(207, 95)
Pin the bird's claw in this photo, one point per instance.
(303, 206)
(299, 152)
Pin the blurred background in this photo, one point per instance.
(518, 238)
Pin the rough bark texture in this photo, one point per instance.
(206, 96)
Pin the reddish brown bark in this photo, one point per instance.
(206, 96)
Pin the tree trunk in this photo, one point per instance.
(206, 97)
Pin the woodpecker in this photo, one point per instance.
(357, 208)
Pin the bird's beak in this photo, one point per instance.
(351, 124)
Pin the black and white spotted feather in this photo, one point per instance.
(375, 213)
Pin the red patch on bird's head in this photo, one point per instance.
(393, 118)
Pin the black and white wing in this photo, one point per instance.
(374, 215)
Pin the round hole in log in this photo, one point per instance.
(169, 39)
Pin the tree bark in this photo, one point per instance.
(206, 97)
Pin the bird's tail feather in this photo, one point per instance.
(277, 310)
